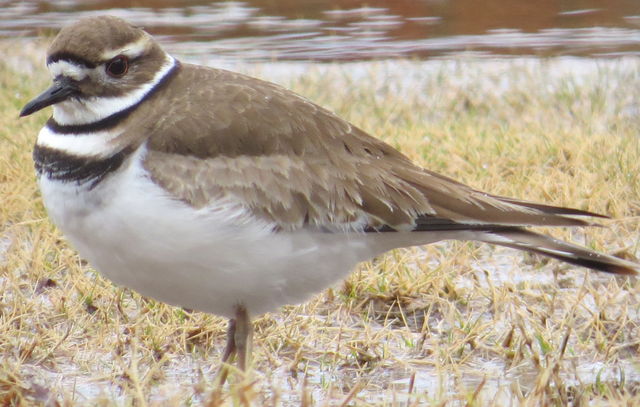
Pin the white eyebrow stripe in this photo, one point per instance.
(130, 50)
(66, 68)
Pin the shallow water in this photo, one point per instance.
(342, 30)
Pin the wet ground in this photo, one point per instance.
(89, 372)
(346, 31)
(324, 30)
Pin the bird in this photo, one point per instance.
(219, 192)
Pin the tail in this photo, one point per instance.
(526, 240)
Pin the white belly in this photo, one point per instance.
(209, 259)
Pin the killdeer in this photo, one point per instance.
(218, 192)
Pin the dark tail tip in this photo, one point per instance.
(547, 246)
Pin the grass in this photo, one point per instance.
(445, 325)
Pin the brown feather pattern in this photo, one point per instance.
(212, 135)
(294, 163)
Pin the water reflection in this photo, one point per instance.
(347, 29)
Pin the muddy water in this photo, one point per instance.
(341, 30)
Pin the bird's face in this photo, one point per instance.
(89, 72)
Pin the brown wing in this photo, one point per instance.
(294, 163)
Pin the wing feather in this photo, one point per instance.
(295, 164)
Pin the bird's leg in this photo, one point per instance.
(230, 348)
(239, 336)
(229, 351)
(242, 337)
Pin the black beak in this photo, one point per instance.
(61, 89)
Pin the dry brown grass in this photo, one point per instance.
(447, 324)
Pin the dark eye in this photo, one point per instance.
(118, 66)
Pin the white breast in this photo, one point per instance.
(207, 259)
